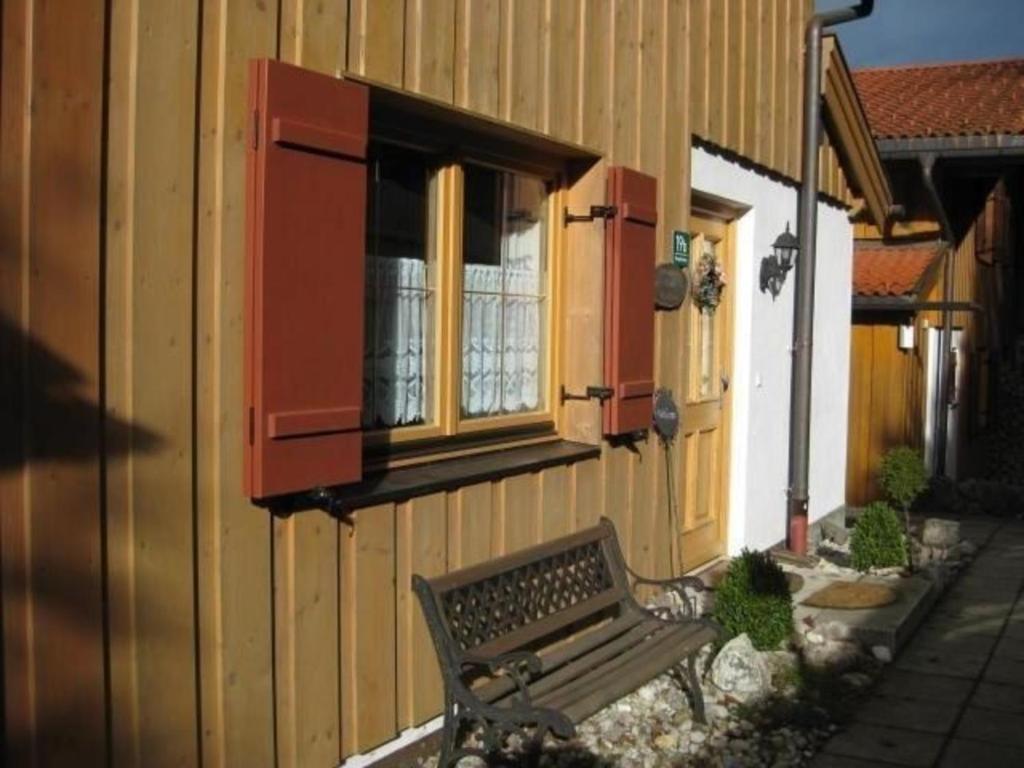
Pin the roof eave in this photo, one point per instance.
(976, 146)
(857, 150)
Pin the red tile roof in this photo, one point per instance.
(963, 99)
(890, 270)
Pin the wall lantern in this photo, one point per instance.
(774, 268)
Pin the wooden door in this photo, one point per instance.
(704, 443)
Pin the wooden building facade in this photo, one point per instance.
(151, 613)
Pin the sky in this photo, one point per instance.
(929, 31)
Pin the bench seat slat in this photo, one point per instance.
(599, 656)
(602, 686)
(563, 654)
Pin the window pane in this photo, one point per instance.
(504, 312)
(398, 355)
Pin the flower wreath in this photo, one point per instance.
(709, 283)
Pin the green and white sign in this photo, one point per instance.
(681, 248)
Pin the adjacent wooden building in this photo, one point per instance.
(152, 613)
(900, 285)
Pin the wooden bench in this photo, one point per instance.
(543, 638)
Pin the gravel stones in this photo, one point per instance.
(940, 533)
(739, 670)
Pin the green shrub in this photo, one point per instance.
(753, 597)
(877, 540)
(903, 476)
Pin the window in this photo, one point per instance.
(450, 335)
(398, 366)
(458, 297)
(503, 287)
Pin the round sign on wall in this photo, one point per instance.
(666, 414)
(670, 286)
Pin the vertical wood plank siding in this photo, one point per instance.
(891, 384)
(151, 615)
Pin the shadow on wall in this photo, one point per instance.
(40, 388)
(47, 421)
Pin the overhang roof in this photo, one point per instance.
(847, 123)
(892, 270)
(984, 98)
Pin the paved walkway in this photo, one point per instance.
(955, 695)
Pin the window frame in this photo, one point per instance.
(449, 430)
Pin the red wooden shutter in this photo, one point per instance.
(630, 243)
(305, 220)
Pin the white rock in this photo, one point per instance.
(836, 654)
(739, 670)
(882, 653)
(697, 737)
(815, 637)
(890, 571)
(835, 630)
(940, 533)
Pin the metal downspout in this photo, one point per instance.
(928, 179)
(803, 322)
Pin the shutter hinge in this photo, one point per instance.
(252, 425)
(255, 129)
(596, 212)
(592, 393)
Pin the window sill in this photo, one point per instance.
(400, 484)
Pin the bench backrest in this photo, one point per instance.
(513, 601)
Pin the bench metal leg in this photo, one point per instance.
(449, 732)
(695, 690)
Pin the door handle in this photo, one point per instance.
(725, 382)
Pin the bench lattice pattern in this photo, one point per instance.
(491, 608)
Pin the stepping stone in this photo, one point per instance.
(852, 595)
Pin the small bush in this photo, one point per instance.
(753, 597)
(903, 476)
(877, 540)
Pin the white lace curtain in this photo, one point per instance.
(395, 352)
(502, 331)
(502, 315)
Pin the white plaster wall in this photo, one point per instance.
(762, 359)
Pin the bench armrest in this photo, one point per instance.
(516, 664)
(677, 586)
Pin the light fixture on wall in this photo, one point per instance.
(905, 339)
(774, 268)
